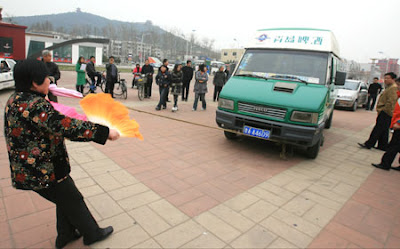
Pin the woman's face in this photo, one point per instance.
(43, 88)
(82, 60)
(179, 68)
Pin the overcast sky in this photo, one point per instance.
(362, 27)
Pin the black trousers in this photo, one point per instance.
(217, 90)
(79, 88)
(380, 132)
(148, 86)
(163, 96)
(392, 150)
(373, 98)
(110, 85)
(202, 97)
(185, 89)
(72, 212)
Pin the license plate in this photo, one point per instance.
(256, 132)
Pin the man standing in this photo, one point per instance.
(374, 89)
(187, 77)
(92, 73)
(148, 70)
(112, 76)
(394, 145)
(228, 74)
(53, 70)
(165, 63)
(219, 82)
(385, 107)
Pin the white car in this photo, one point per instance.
(352, 94)
(171, 67)
(6, 73)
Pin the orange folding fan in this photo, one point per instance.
(101, 108)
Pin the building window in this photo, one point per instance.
(225, 53)
(234, 53)
(34, 47)
(86, 52)
(6, 47)
(63, 54)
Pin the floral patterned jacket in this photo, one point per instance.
(35, 134)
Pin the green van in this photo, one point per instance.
(283, 88)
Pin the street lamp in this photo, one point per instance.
(142, 55)
(191, 44)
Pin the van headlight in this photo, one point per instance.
(226, 104)
(304, 117)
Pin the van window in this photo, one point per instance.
(304, 65)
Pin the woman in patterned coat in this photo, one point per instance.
(35, 134)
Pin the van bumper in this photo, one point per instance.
(280, 132)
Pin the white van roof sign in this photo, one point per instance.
(296, 38)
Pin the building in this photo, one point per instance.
(68, 54)
(131, 51)
(369, 72)
(231, 55)
(389, 65)
(12, 41)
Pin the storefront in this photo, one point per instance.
(12, 41)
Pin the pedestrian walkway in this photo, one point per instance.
(186, 186)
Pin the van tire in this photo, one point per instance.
(328, 123)
(230, 135)
(312, 152)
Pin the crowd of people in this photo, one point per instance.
(388, 117)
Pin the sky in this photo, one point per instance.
(364, 28)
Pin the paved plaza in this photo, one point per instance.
(186, 186)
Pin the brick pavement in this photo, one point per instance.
(186, 186)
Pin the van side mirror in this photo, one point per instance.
(340, 78)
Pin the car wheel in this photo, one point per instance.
(354, 108)
(313, 151)
(230, 135)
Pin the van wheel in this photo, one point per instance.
(230, 135)
(328, 123)
(312, 152)
(354, 108)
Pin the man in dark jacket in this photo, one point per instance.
(187, 77)
(148, 70)
(227, 72)
(373, 91)
(112, 76)
(163, 80)
(92, 73)
(53, 70)
(165, 63)
(219, 82)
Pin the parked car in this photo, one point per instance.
(352, 94)
(6, 73)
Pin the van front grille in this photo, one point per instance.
(262, 110)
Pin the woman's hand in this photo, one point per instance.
(113, 135)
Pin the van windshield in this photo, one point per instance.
(304, 66)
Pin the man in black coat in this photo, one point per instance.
(148, 70)
(112, 76)
(187, 77)
(53, 70)
(92, 73)
(165, 63)
(373, 91)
